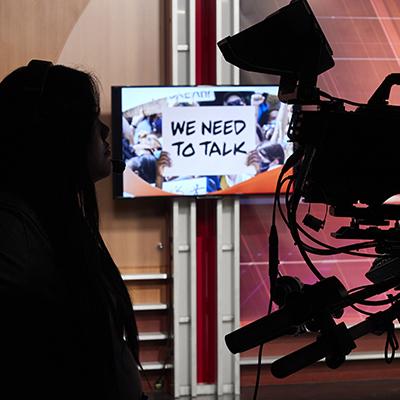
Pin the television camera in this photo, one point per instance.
(345, 159)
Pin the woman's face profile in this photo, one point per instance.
(99, 152)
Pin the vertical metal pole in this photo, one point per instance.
(184, 297)
(228, 229)
(193, 298)
(184, 219)
(228, 23)
(236, 28)
(192, 42)
(174, 41)
(183, 18)
(228, 298)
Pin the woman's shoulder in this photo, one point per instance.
(18, 218)
(25, 251)
(14, 221)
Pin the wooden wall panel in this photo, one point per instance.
(148, 292)
(37, 29)
(156, 321)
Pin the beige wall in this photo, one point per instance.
(122, 42)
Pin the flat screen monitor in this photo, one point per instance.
(198, 140)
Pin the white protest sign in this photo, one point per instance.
(210, 140)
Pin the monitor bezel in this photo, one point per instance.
(116, 128)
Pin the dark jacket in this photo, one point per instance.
(57, 333)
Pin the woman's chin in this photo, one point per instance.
(102, 172)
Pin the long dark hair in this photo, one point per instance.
(44, 138)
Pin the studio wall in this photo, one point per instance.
(122, 43)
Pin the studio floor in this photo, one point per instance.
(365, 390)
(360, 390)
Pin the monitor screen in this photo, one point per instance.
(199, 140)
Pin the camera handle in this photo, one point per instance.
(381, 95)
(335, 346)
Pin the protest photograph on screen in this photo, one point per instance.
(199, 140)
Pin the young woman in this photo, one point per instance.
(67, 328)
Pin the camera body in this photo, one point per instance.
(347, 159)
(355, 155)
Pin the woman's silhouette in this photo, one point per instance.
(67, 328)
